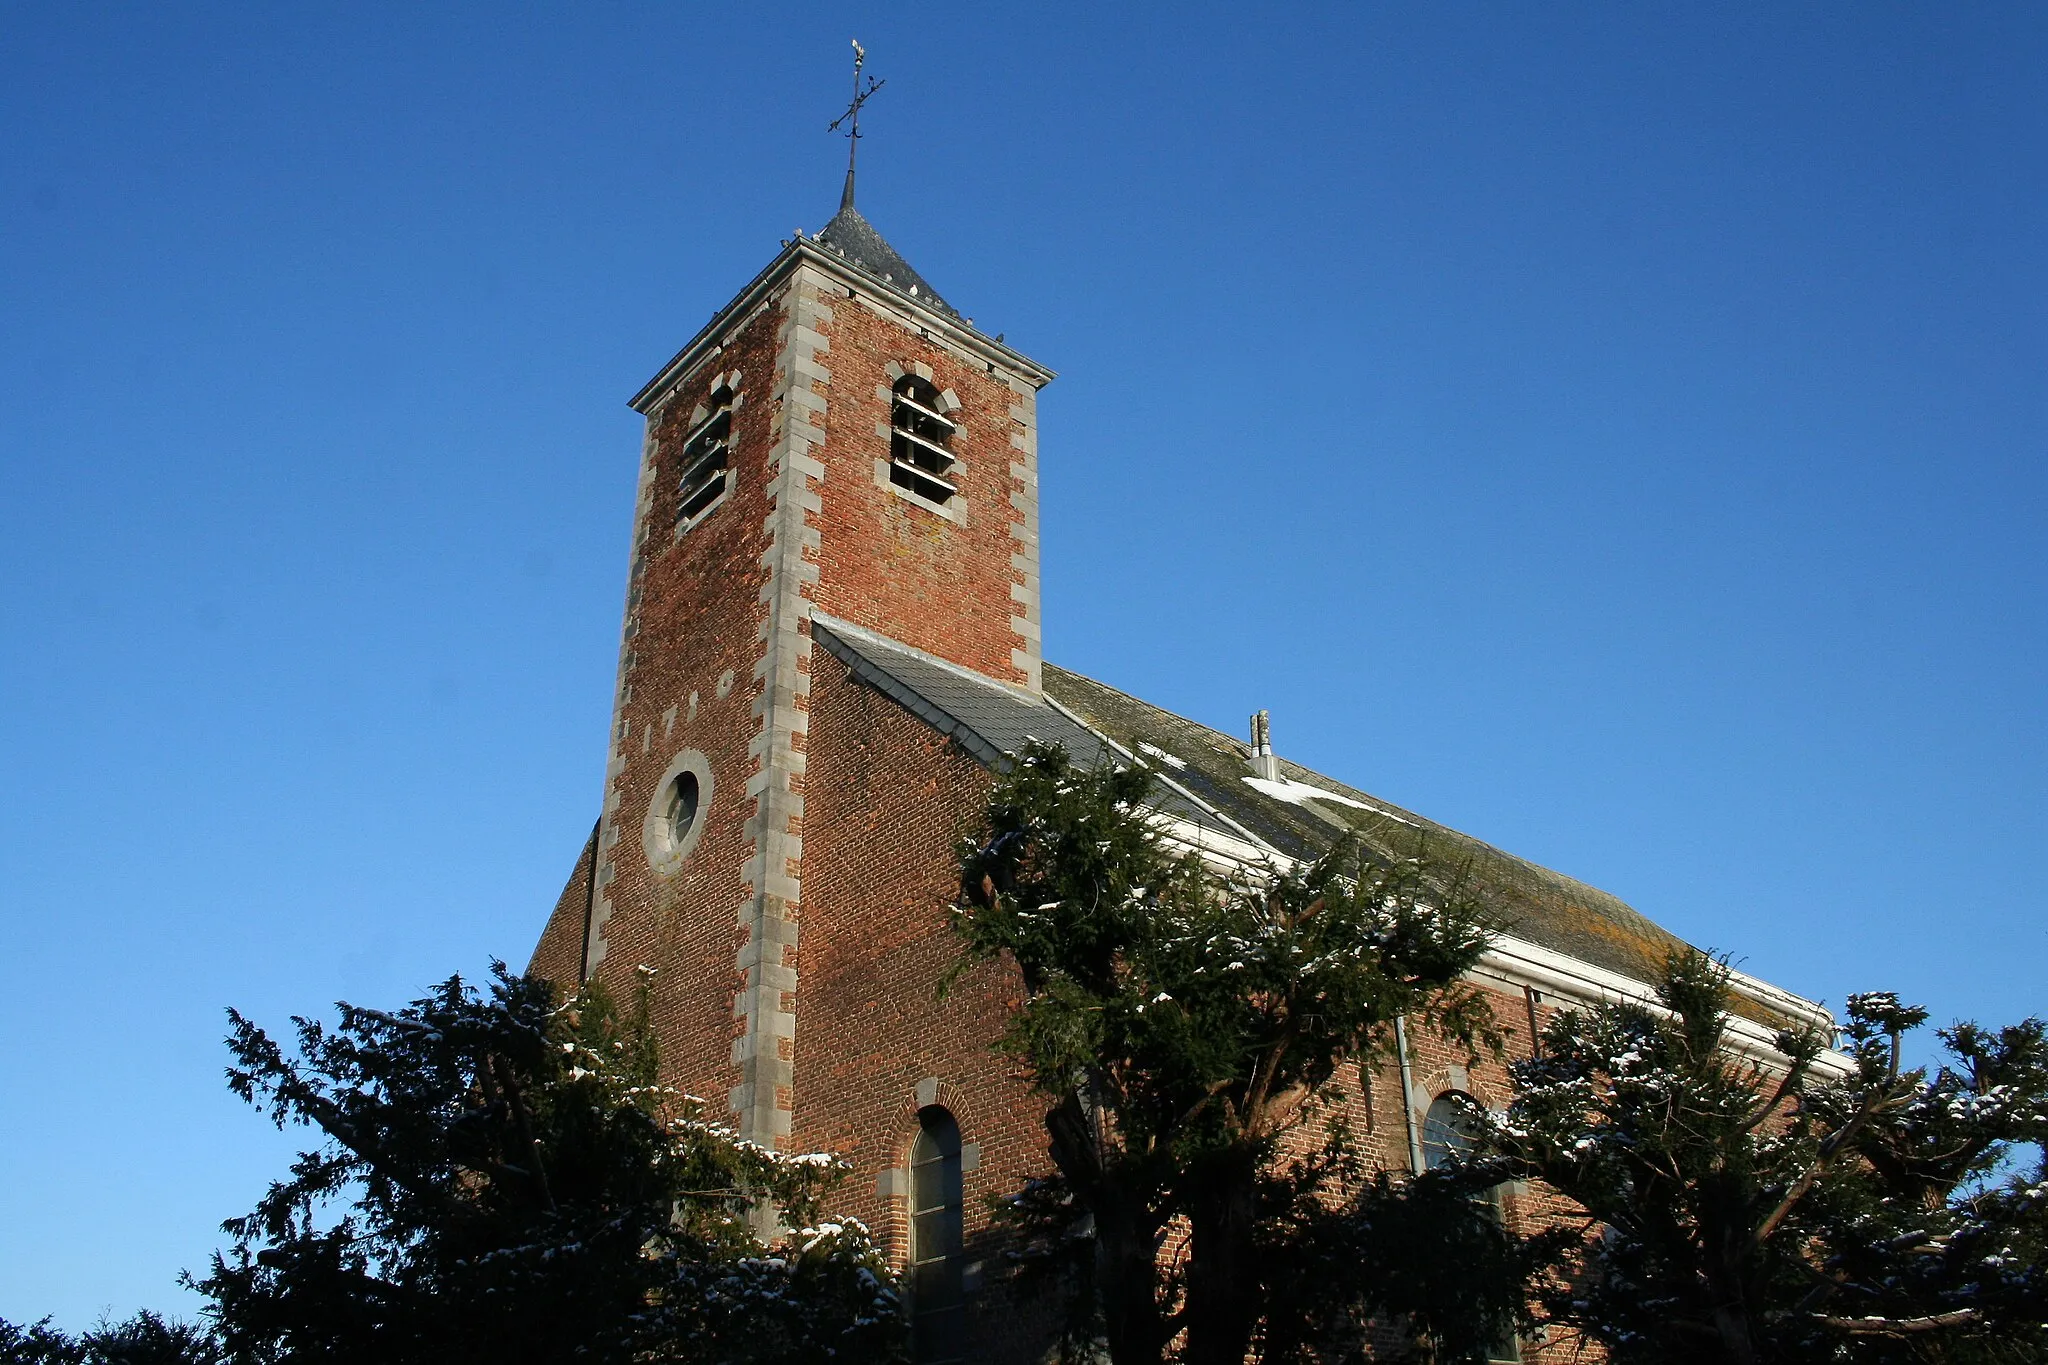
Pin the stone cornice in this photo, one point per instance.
(804, 251)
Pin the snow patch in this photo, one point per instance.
(1164, 757)
(1287, 789)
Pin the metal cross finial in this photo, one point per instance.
(852, 119)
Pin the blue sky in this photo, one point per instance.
(1616, 431)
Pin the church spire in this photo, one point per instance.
(851, 235)
(852, 119)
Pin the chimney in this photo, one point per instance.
(1263, 762)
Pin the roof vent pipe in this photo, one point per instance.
(1263, 762)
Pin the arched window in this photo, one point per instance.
(707, 453)
(920, 439)
(1450, 1130)
(936, 1299)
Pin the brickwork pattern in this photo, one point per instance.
(964, 590)
(558, 957)
(717, 619)
(889, 798)
(690, 648)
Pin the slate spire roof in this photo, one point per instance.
(852, 236)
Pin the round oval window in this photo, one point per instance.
(678, 809)
(681, 816)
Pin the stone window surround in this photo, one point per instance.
(954, 509)
(730, 380)
(1456, 1081)
(663, 855)
(893, 1184)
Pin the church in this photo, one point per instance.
(831, 640)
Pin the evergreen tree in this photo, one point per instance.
(503, 1178)
(1185, 1030)
(145, 1339)
(1743, 1213)
(1357, 1256)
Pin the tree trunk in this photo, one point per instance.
(1224, 1293)
(1126, 1278)
(1724, 1232)
(1126, 1239)
(1733, 1324)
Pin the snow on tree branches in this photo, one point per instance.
(502, 1178)
(1181, 1025)
(1746, 1213)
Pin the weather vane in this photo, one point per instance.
(852, 119)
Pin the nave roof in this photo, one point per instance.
(1207, 779)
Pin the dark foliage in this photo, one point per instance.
(1428, 1258)
(504, 1179)
(144, 1339)
(1183, 1028)
(1749, 1212)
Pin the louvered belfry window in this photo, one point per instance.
(707, 455)
(920, 440)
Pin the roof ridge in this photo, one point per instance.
(1427, 824)
(1159, 774)
(1130, 696)
(1535, 904)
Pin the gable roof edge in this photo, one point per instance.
(804, 250)
(906, 696)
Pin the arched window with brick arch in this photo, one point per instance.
(937, 1297)
(1450, 1131)
(921, 431)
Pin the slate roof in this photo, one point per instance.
(1208, 786)
(985, 718)
(855, 238)
(1532, 902)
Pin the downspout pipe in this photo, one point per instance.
(1408, 1095)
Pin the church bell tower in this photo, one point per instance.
(838, 442)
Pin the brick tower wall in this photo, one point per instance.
(963, 586)
(889, 798)
(690, 651)
(715, 655)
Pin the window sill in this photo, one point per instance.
(954, 509)
(684, 527)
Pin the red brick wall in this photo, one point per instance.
(559, 955)
(896, 567)
(693, 617)
(695, 613)
(887, 800)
